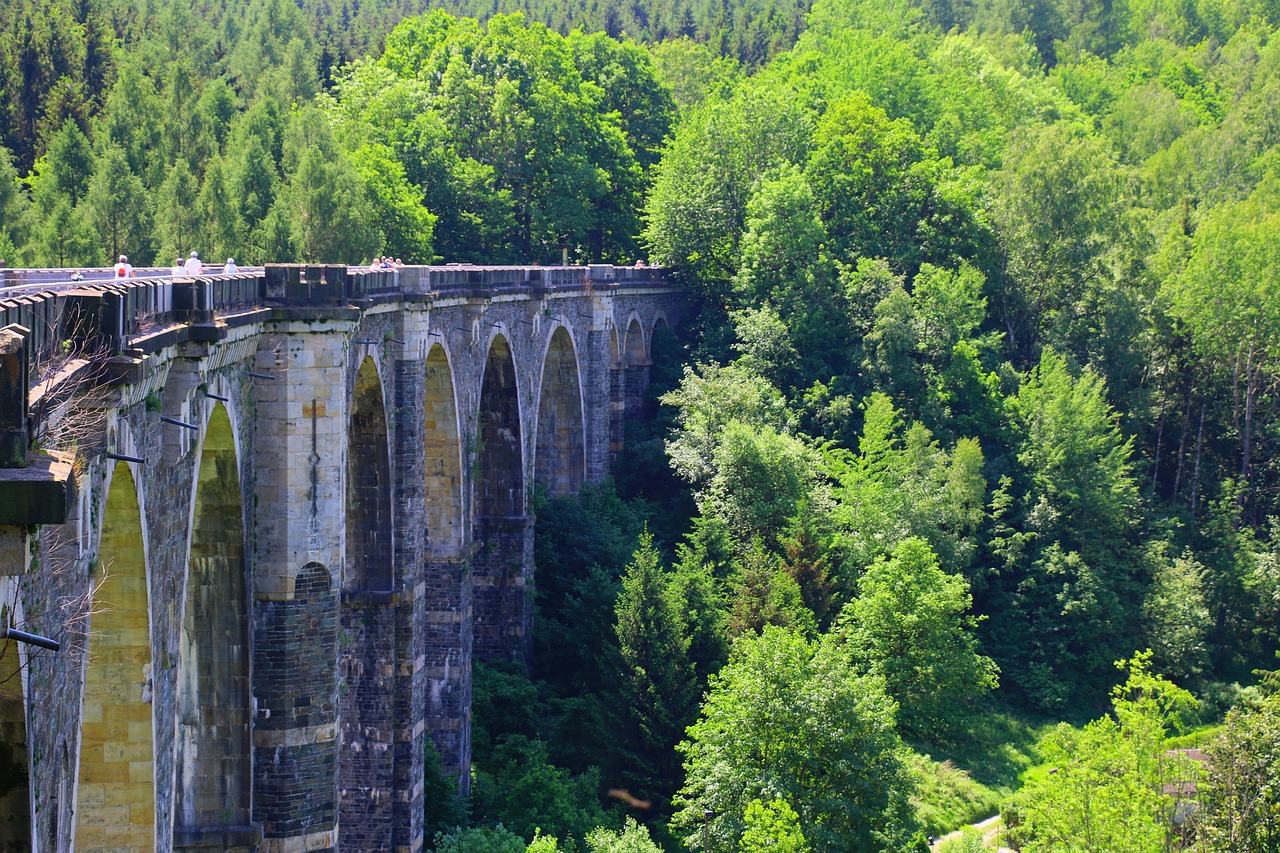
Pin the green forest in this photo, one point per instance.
(958, 495)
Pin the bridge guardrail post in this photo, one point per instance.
(34, 489)
(13, 396)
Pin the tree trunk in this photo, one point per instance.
(1195, 471)
(1155, 466)
(1251, 380)
(1182, 448)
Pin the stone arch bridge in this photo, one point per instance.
(272, 518)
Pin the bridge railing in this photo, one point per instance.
(101, 316)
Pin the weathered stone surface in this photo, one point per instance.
(39, 493)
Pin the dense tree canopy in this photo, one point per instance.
(982, 355)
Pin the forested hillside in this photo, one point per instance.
(980, 400)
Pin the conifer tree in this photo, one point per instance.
(661, 692)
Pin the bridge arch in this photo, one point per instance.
(369, 508)
(561, 446)
(500, 568)
(116, 790)
(366, 647)
(635, 367)
(442, 450)
(499, 483)
(635, 349)
(212, 765)
(660, 324)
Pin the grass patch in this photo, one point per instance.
(1196, 738)
(971, 841)
(947, 797)
(966, 779)
(994, 747)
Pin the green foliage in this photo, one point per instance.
(877, 189)
(177, 221)
(910, 625)
(1112, 783)
(324, 197)
(708, 399)
(543, 126)
(903, 483)
(763, 592)
(1240, 808)
(118, 205)
(1225, 297)
(947, 797)
(970, 841)
(397, 206)
(443, 809)
(761, 479)
(1056, 205)
(791, 719)
(14, 207)
(632, 838)
(516, 786)
(1177, 615)
(479, 840)
(1072, 607)
(697, 209)
(772, 827)
(660, 696)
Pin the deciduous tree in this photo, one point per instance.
(911, 625)
(791, 719)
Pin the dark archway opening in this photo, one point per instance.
(560, 454)
(502, 604)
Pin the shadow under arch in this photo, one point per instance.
(366, 652)
(116, 792)
(446, 572)
(560, 451)
(635, 368)
(617, 395)
(212, 773)
(443, 455)
(500, 569)
(369, 526)
(634, 352)
(500, 473)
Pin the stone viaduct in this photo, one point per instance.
(272, 518)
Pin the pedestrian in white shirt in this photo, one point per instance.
(230, 268)
(194, 267)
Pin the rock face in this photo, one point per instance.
(292, 507)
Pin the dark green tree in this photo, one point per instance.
(660, 692)
(119, 207)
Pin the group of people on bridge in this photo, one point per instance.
(192, 266)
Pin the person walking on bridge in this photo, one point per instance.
(194, 267)
(230, 268)
(124, 269)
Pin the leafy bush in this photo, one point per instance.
(480, 840)
(969, 841)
